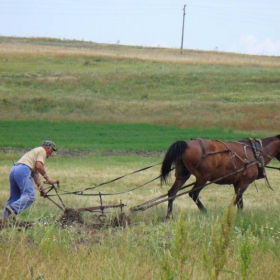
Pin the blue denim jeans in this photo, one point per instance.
(22, 193)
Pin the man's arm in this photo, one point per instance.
(41, 169)
(37, 181)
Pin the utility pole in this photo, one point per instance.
(182, 41)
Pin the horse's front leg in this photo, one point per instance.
(239, 202)
(239, 189)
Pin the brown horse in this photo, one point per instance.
(238, 163)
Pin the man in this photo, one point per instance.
(25, 170)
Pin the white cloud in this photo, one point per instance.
(251, 45)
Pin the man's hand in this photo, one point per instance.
(50, 181)
(42, 191)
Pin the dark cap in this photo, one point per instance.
(49, 143)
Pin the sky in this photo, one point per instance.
(241, 26)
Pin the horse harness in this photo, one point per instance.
(258, 152)
(257, 148)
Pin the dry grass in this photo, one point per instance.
(144, 53)
(204, 114)
(135, 252)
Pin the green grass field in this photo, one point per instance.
(90, 136)
(115, 109)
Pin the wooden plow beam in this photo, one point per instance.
(99, 208)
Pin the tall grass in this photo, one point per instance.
(221, 239)
(174, 259)
(151, 250)
(150, 247)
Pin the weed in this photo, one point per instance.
(174, 260)
(221, 238)
(33, 277)
(246, 251)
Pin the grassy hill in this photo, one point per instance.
(45, 79)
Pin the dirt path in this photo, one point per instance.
(77, 153)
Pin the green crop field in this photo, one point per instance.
(91, 136)
(113, 110)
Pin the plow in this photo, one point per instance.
(101, 208)
(70, 215)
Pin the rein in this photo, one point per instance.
(81, 193)
(272, 167)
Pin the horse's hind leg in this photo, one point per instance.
(172, 192)
(182, 175)
(194, 194)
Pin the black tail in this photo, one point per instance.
(174, 152)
